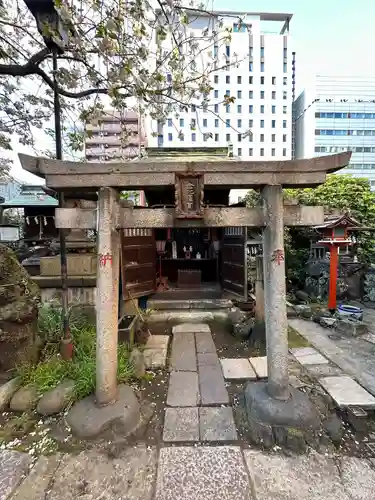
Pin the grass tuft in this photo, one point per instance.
(82, 369)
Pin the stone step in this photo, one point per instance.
(188, 316)
(172, 304)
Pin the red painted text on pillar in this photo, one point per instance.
(278, 257)
(105, 259)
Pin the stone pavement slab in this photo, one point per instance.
(191, 328)
(204, 343)
(157, 342)
(202, 473)
(208, 359)
(358, 477)
(13, 468)
(181, 424)
(94, 475)
(237, 369)
(347, 392)
(183, 389)
(369, 337)
(212, 386)
(183, 357)
(309, 356)
(36, 484)
(259, 365)
(155, 358)
(318, 371)
(307, 477)
(217, 424)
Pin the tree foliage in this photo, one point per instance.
(128, 54)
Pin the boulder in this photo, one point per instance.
(351, 327)
(7, 391)
(303, 311)
(19, 299)
(243, 329)
(235, 315)
(302, 296)
(57, 399)
(25, 399)
(137, 362)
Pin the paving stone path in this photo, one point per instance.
(198, 402)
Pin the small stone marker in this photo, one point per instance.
(217, 424)
(155, 358)
(347, 392)
(259, 365)
(157, 342)
(191, 328)
(309, 356)
(237, 369)
(181, 424)
(183, 389)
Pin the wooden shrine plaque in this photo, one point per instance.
(189, 196)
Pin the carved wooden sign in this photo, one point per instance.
(189, 196)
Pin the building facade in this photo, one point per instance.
(258, 122)
(338, 114)
(114, 136)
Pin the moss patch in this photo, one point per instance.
(295, 339)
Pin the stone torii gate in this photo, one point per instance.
(190, 179)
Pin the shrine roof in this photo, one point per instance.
(31, 196)
(344, 220)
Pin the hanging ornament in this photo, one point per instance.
(28, 221)
(45, 221)
(36, 220)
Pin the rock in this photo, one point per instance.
(137, 362)
(303, 311)
(25, 399)
(328, 322)
(242, 330)
(235, 315)
(302, 296)
(291, 312)
(57, 399)
(7, 391)
(19, 298)
(351, 327)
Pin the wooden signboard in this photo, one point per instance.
(189, 196)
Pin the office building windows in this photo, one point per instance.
(273, 123)
(273, 108)
(274, 80)
(239, 151)
(273, 137)
(227, 50)
(170, 138)
(250, 80)
(262, 94)
(227, 79)
(273, 94)
(284, 137)
(216, 108)
(261, 151)
(262, 108)
(239, 108)
(170, 122)
(284, 151)
(216, 94)
(262, 67)
(250, 66)
(216, 79)
(261, 123)
(181, 122)
(239, 137)
(261, 137)
(284, 123)
(262, 80)
(285, 94)
(227, 122)
(239, 94)
(227, 137)
(251, 94)
(251, 108)
(262, 52)
(193, 108)
(251, 123)
(273, 152)
(285, 52)
(284, 110)
(250, 151)
(285, 67)
(216, 122)
(227, 108)
(239, 79)
(193, 137)
(285, 80)
(216, 137)
(239, 123)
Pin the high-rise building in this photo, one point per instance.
(337, 113)
(114, 136)
(255, 68)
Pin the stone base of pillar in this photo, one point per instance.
(88, 420)
(294, 423)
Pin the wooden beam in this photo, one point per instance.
(294, 215)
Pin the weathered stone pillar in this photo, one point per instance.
(259, 290)
(107, 298)
(275, 299)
